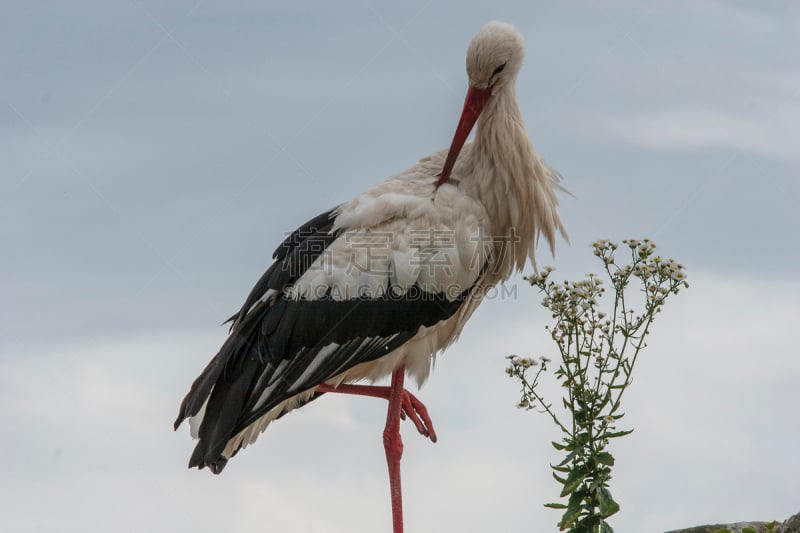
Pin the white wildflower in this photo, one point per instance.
(678, 275)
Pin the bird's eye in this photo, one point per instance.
(498, 70)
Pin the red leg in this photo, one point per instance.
(401, 404)
(411, 406)
(393, 445)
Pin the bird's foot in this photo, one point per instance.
(410, 406)
(415, 410)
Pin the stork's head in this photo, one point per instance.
(494, 58)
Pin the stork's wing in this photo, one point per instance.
(333, 298)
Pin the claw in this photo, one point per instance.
(410, 406)
(418, 414)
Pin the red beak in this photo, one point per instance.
(473, 105)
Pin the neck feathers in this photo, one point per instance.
(513, 183)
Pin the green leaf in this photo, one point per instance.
(605, 458)
(580, 527)
(555, 505)
(559, 446)
(563, 469)
(569, 517)
(604, 401)
(577, 497)
(572, 482)
(616, 434)
(605, 527)
(559, 479)
(570, 456)
(607, 504)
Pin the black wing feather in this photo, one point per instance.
(279, 347)
(292, 258)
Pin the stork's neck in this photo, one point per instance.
(500, 122)
(504, 174)
(503, 157)
(502, 151)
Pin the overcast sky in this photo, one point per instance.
(152, 157)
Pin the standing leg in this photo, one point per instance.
(393, 445)
(402, 404)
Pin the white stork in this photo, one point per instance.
(377, 286)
